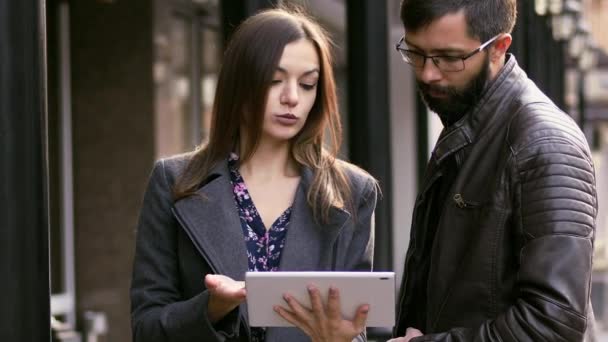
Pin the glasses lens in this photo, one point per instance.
(443, 63)
(450, 64)
(413, 58)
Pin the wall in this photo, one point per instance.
(113, 137)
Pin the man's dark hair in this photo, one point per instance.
(485, 18)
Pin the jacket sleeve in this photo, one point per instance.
(158, 311)
(554, 212)
(361, 251)
(360, 254)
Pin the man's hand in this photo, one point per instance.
(323, 323)
(410, 333)
(225, 294)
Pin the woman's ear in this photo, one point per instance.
(500, 47)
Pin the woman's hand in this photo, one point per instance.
(324, 323)
(225, 294)
(410, 333)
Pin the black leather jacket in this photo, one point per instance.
(511, 258)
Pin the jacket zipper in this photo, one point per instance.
(463, 204)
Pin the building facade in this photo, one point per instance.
(129, 82)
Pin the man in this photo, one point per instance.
(502, 232)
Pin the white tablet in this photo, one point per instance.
(265, 290)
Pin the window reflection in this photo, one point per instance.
(188, 50)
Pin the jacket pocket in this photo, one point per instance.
(460, 202)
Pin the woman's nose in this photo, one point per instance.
(289, 95)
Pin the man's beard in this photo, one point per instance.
(456, 103)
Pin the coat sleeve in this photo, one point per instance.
(361, 250)
(159, 313)
(360, 254)
(554, 212)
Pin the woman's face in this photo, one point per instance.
(293, 91)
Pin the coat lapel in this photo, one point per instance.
(308, 245)
(211, 220)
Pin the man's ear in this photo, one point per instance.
(500, 47)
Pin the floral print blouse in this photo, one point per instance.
(264, 246)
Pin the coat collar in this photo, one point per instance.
(211, 220)
(306, 239)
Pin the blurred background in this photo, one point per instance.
(125, 82)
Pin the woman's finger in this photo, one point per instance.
(412, 332)
(225, 287)
(286, 314)
(211, 281)
(361, 317)
(316, 302)
(240, 294)
(333, 304)
(291, 317)
(237, 288)
(297, 309)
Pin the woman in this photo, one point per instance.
(263, 194)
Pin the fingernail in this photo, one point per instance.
(276, 308)
(365, 309)
(286, 297)
(310, 288)
(332, 290)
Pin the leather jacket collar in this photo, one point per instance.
(465, 131)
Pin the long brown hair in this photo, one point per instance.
(250, 61)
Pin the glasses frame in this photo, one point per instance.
(402, 51)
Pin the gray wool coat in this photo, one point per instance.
(179, 242)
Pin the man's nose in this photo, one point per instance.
(429, 72)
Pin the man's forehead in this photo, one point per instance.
(448, 31)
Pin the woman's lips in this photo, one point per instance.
(287, 119)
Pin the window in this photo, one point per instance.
(188, 48)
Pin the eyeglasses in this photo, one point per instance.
(443, 63)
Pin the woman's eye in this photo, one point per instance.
(307, 86)
(277, 81)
